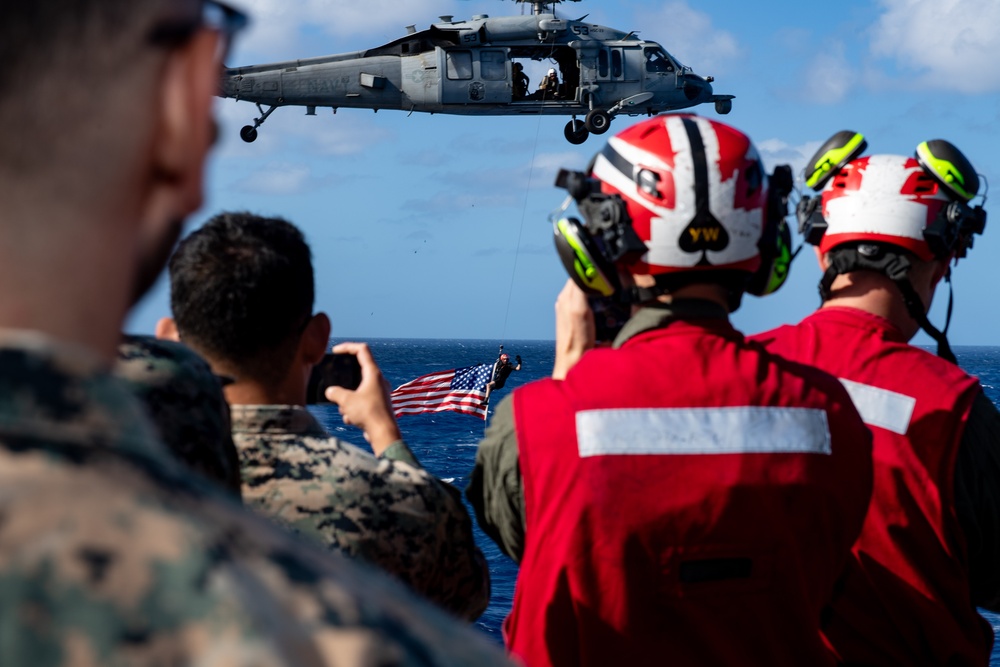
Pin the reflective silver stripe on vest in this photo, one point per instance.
(881, 407)
(728, 430)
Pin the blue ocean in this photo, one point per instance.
(446, 442)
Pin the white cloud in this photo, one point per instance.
(951, 44)
(690, 36)
(547, 165)
(343, 136)
(775, 151)
(828, 76)
(277, 179)
(553, 162)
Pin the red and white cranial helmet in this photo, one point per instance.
(882, 198)
(695, 191)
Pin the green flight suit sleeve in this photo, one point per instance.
(495, 489)
(977, 500)
(399, 451)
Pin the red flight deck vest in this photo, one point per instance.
(690, 500)
(906, 599)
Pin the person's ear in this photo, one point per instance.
(822, 259)
(166, 329)
(315, 339)
(184, 129)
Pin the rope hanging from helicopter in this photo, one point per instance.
(524, 212)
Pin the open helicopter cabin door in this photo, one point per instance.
(475, 76)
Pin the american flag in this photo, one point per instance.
(459, 390)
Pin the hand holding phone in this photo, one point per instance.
(334, 370)
(610, 316)
(368, 405)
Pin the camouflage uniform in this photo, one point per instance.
(185, 401)
(388, 510)
(112, 555)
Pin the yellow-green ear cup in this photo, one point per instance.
(775, 244)
(838, 150)
(583, 260)
(949, 167)
(775, 262)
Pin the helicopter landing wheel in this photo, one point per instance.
(248, 134)
(598, 121)
(576, 132)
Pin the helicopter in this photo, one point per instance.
(476, 67)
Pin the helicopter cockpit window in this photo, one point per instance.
(460, 64)
(602, 63)
(493, 65)
(616, 64)
(657, 60)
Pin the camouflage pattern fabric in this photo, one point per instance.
(387, 512)
(186, 403)
(112, 554)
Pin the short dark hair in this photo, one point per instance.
(241, 290)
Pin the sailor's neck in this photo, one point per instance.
(256, 393)
(874, 294)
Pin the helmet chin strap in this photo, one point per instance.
(918, 312)
(896, 267)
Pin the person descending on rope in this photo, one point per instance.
(502, 369)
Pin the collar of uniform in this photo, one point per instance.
(856, 317)
(283, 419)
(659, 315)
(62, 393)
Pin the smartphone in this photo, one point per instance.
(340, 370)
(610, 315)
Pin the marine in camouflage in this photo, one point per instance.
(185, 401)
(112, 554)
(387, 510)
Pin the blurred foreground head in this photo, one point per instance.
(241, 292)
(186, 403)
(673, 201)
(108, 109)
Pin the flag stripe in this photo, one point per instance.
(459, 390)
(466, 398)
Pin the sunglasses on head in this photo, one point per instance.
(218, 16)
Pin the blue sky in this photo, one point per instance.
(437, 226)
